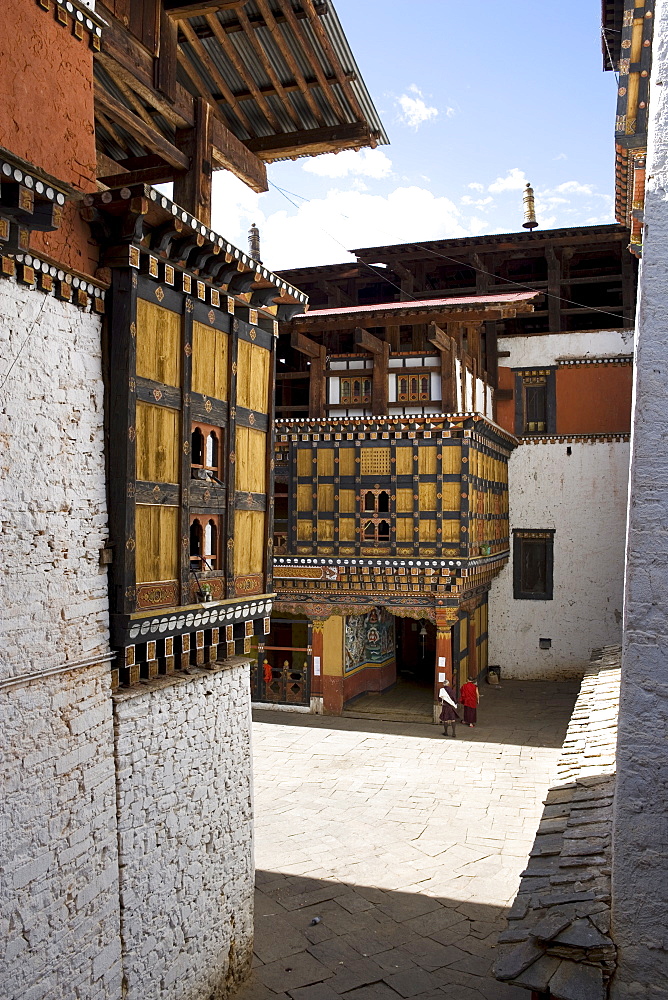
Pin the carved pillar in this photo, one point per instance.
(317, 627)
(445, 619)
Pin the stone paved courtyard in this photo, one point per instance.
(388, 854)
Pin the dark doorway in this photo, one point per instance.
(416, 651)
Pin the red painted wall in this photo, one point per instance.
(47, 115)
(594, 399)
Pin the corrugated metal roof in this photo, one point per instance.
(501, 298)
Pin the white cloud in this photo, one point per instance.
(574, 187)
(561, 156)
(414, 110)
(363, 163)
(323, 230)
(478, 202)
(513, 181)
(475, 186)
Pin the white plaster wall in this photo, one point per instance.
(59, 909)
(583, 497)
(546, 348)
(185, 833)
(53, 520)
(640, 824)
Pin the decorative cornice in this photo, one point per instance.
(76, 16)
(140, 228)
(622, 359)
(575, 438)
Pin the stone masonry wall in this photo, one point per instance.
(59, 909)
(53, 518)
(640, 826)
(185, 833)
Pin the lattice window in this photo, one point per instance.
(355, 390)
(535, 404)
(375, 462)
(413, 388)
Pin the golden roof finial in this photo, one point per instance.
(529, 209)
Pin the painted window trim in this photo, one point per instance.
(545, 535)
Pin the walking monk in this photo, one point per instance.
(469, 697)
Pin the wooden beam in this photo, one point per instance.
(149, 175)
(192, 190)
(197, 8)
(312, 57)
(305, 345)
(310, 142)
(317, 382)
(367, 341)
(230, 153)
(440, 339)
(139, 130)
(381, 357)
(342, 78)
(128, 59)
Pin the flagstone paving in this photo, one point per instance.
(388, 854)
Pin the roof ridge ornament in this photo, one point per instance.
(530, 221)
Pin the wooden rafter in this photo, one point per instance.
(312, 56)
(216, 76)
(290, 60)
(131, 97)
(149, 137)
(233, 56)
(335, 63)
(279, 88)
(310, 142)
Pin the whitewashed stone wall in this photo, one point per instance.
(583, 497)
(547, 348)
(640, 867)
(185, 833)
(59, 909)
(53, 520)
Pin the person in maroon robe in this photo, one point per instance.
(469, 697)
(448, 714)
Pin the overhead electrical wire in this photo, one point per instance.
(452, 260)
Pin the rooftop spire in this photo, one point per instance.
(530, 221)
(254, 242)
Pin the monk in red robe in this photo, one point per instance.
(469, 697)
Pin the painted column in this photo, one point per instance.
(332, 665)
(639, 874)
(445, 619)
(317, 628)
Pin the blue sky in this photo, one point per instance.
(476, 97)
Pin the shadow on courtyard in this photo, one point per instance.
(317, 939)
(518, 713)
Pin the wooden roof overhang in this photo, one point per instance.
(140, 228)
(460, 309)
(278, 81)
(499, 242)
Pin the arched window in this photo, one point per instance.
(196, 542)
(383, 502)
(197, 447)
(402, 388)
(370, 531)
(366, 390)
(370, 500)
(424, 387)
(206, 451)
(383, 531)
(204, 543)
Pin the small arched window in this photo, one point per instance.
(383, 531)
(197, 446)
(383, 502)
(204, 543)
(206, 452)
(370, 501)
(196, 542)
(370, 531)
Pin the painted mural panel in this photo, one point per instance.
(369, 639)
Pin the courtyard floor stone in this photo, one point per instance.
(387, 854)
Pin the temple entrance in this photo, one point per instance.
(410, 698)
